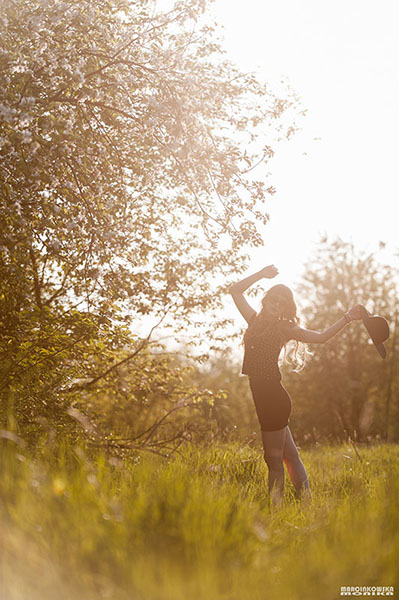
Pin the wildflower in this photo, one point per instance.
(58, 486)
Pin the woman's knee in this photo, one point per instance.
(274, 463)
(291, 455)
(290, 452)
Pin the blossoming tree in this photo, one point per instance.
(129, 149)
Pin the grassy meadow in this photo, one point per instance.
(198, 526)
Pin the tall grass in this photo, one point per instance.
(78, 525)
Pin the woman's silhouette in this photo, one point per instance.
(266, 334)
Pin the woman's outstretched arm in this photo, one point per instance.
(320, 337)
(237, 290)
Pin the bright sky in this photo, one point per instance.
(339, 175)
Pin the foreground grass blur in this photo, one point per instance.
(198, 526)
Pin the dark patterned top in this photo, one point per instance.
(262, 349)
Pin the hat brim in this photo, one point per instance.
(381, 349)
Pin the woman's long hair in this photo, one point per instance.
(289, 318)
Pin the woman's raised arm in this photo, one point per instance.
(237, 290)
(320, 337)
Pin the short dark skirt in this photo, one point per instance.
(272, 402)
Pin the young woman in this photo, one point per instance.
(266, 334)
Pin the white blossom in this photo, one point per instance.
(42, 47)
(28, 101)
(26, 137)
(24, 121)
(78, 76)
(34, 147)
(7, 112)
(17, 69)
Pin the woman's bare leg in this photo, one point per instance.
(273, 449)
(295, 466)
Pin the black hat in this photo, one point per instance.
(378, 329)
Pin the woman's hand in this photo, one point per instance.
(355, 312)
(269, 272)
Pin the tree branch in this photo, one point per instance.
(36, 281)
(142, 345)
(60, 289)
